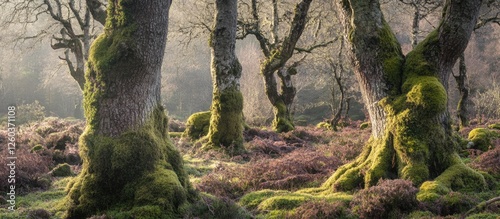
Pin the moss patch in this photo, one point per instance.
(226, 122)
(61, 170)
(282, 121)
(197, 125)
(481, 138)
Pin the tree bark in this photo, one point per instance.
(129, 165)
(226, 123)
(275, 63)
(406, 99)
(461, 79)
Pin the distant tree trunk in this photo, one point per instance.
(226, 123)
(461, 79)
(129, 164)
(415, 27)
(338, 72)
(275, 63)
(407, 101)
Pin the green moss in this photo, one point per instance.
(392, 57)
(282, 121)
(61, 170)
(36, 148)
(421, 61)
(457, 177)
(284, 202)
(226, 122)
(426, 95)
(197, 125)
(484, 216)
(364, 125)
(481, 138)
(325, 126)
(494, 126)
(252, 200)
(138, 168)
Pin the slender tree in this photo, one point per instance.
(407, 101)
(129, 164)
(277, 53)
(74, 24)
(226, 122)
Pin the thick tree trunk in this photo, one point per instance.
(129, 165)
(406, 100)
(226, 123)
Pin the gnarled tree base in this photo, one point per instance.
(138, 174)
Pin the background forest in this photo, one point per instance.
(44, 45)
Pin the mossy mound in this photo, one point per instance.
(139, 174)
(281, 204)
(197, 125)
(481, 138)
(458, 177)
(325, 126)
(61, 170)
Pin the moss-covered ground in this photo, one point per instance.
(279, 177)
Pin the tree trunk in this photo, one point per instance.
(226, 123)
(275, 63)
(461, 80)
(415, 27)
(129, 165)
(406, 99)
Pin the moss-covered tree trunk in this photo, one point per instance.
(129, 165)
(407, 101)
(275, 64)
(226, 122)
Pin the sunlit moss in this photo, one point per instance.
(197, 125)
(226, 122)
(481, 138)
(282, 122)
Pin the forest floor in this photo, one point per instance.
(274, 164)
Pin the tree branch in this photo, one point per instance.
(313, 47)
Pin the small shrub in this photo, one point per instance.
(451, 203)
(30, 167)
(39, 214)
(209, 206)
(489, 162)
(388, 199)
(322, 209)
